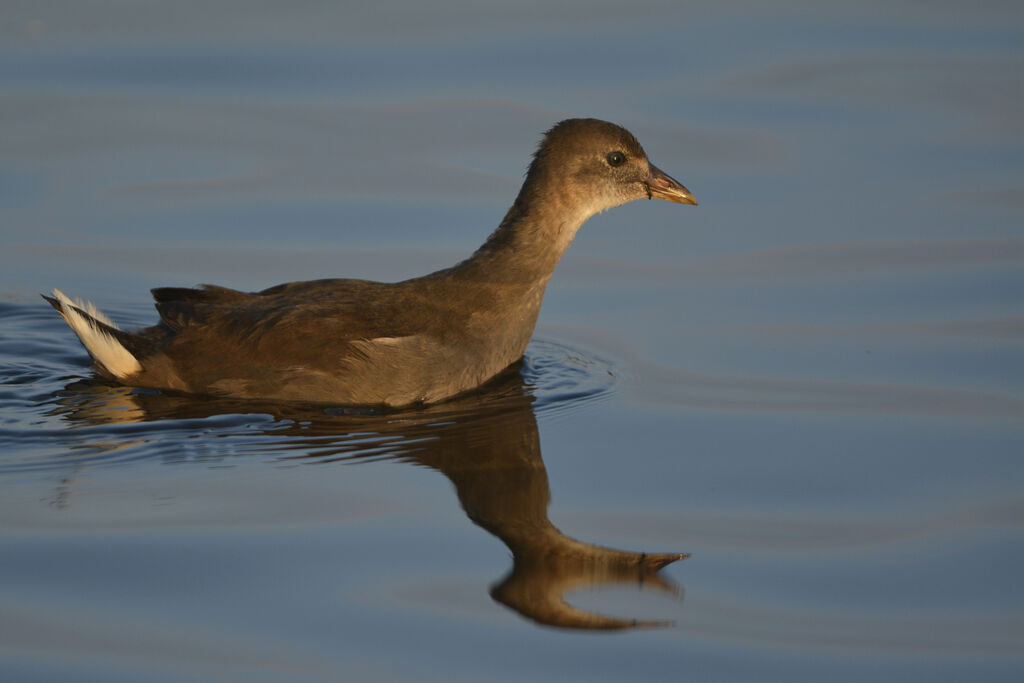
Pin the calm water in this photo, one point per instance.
(812, 383)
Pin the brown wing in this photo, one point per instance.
(297, 322)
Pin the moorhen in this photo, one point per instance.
(356, 342)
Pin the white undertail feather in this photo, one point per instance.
(104, 349)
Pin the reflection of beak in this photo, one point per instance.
(664, 186)
(542, 574)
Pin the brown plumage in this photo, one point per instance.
(356, 342)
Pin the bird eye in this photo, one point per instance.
(616, 159)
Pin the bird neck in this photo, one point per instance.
(529, 242)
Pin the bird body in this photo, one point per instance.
(357, 342)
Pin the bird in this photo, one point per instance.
(389, 344)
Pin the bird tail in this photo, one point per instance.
(98, 334)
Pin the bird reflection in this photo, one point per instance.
(486, 443)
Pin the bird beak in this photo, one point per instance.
(664, 186)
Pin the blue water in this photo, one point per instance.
(812, 383)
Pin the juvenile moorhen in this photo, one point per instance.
(356, 342)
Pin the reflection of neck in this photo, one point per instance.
(503, 487)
